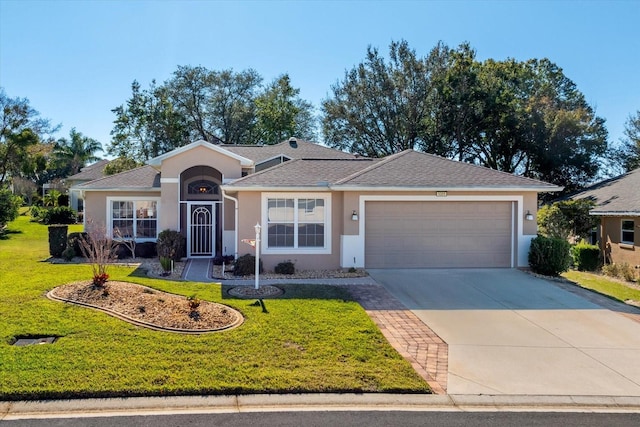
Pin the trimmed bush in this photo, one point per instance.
(68, 253)
(171, 244)
(285, 267)
(549, 256)
(146, 250)
(226, 259)
(586, 257)
(57, 240)
(121, 251)
(246, 265)
(73, 241)
(59, 215)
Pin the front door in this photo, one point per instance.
(201, 229)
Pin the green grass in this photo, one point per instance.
(315, 340)
(603, 285)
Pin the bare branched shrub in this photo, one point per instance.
(98, 248)
(127, 242)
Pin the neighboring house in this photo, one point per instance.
(618, 206)
(321, 208)
(86, 174)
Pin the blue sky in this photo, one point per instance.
(75, 60)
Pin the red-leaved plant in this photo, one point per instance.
(100, 279)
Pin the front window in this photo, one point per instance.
(628, 232)
(134, 219)
(296, 223)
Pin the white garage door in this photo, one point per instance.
(438, 234)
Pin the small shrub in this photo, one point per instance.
(193, 302)
(57, 240)
(68, 253)
(225, 259)
(611, 270)
(286, 267)
(99, 280)
(246, 265)
(586, 257)
(146, 250)
(549, 256)
(165, 263)
(627, 272)
(59, 215)
(36, 213)
(9, 206)
(121, 250)
(73, 241)
(171, 244)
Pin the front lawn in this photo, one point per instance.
(316, 339)
(603, 285)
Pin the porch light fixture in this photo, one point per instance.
(528, 216)
(354, 216)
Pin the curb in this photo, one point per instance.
(88, 408)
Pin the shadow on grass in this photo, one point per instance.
(6, 234)
(293, 291)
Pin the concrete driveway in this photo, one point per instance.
(511, 333)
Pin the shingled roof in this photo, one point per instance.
(293, 148)
(617, 196)
(302, 173)
(144, 178)
(413, 169)
(90, 172)
(406, 170)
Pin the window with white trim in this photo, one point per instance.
(133, 219)
(296, 223)
(628, 233)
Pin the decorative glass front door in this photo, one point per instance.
(201, 230)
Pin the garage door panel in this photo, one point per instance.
(438, 234)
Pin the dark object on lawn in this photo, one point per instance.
(57, 240)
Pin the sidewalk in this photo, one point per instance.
(312, 402)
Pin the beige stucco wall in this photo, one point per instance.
(251, 212)
(96, 206)
(614, 250)
(228, 166)
(170, 218)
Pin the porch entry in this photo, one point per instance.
(201, 229)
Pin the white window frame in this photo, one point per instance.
(264, 244)
(109, 221)
(622, 231)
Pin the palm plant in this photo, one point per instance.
(74, 153)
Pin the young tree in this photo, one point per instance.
(9, 205)
(74, 153)
(281, 113)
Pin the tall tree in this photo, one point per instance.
(218, 105)
(147, 125)
(281, 113)
(628, 155)
(74, 153)
(22, 134)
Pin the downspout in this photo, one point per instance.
(235, 228)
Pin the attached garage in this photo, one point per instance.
(435, 234)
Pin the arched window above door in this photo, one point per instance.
(202, 186)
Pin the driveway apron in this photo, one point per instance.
(511, 333)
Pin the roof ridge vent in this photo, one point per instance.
(293, 142)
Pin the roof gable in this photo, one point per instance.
(292, 148)
(157, 161)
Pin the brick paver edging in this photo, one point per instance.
(415, 341)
